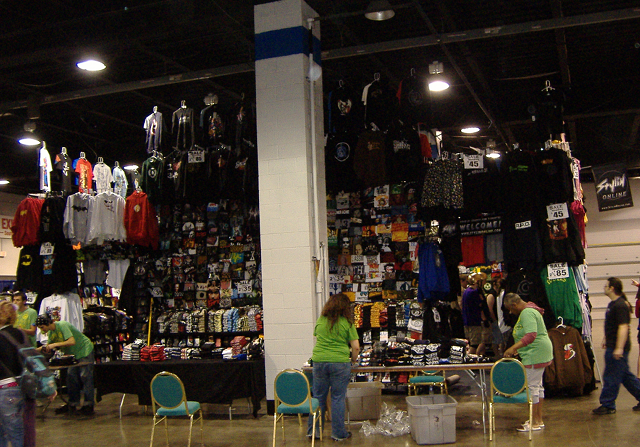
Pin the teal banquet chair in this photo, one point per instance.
(170, 399)
(508, 386)
(292, 395)
(430, 379)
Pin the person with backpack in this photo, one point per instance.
(11, 398)
(64, 336)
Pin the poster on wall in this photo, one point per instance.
(612, 187)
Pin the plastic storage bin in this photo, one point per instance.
(364, 400)
(432, 418)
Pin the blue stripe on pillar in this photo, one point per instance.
(285, 42)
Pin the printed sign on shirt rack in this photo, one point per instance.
(484, 225)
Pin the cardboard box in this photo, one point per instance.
(364, 400)
(433, 418)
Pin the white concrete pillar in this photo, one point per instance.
(287, 189)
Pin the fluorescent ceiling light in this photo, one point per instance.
(379, 10)
(493, 155)
(4, 182)
(29, 140)
(470, 129)
(91, 65)
(130, 167)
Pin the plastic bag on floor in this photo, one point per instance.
(392, 422)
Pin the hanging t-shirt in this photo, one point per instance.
(119, 181)
(521, 241)
(414, 103)
(45, 170)
(152, 177)
(76, 217)
(473, 250)
(343, 109)
(561, 241)
(563, 298)
(52, 220)
(103, 177)
(519, 182)
(404, 155)
(339, 156)
(433, 283)
(85, 174)
(63, 175)
(555, 177)
(369, 159)
(117, 272)
(481, 188)
(106, 218)
(380, 105)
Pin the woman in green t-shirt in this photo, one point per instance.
(533, 345)
(335, 334)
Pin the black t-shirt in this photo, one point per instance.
(555, 177)
(415, 106)
(344, 110)
(380, 107)
(618, 313)
(9, 354)
(339, 154)
(63, 174)
(519, 182)
(404, 155)
(481, 189)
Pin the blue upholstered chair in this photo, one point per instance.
(430, 379)
(168, 395)
(293, 396)
(508, 386)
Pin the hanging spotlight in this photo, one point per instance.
(492, 153)
(437, 82)
(470, 129)
(132, 167)
(28, 138)
(91, 65)
(379, 10)
(4, 182)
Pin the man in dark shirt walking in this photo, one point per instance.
(617, 345)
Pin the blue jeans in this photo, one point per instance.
(11, 408)
(617, 372)
(335, 376)
(80, 382)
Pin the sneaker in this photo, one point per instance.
(604, 410)
(87, 410)
(636, 408)
(342, 439)
(65, 409)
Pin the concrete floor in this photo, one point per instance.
(569, 422)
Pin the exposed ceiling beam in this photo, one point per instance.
(485, 33)
(135, 85)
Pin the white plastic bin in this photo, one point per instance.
(433, 418)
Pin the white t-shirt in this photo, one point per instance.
(45, 170)
(120, 182)
(102, 176)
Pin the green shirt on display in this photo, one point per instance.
(64, 331)
(27, 320)
(332, 345)
(541, 350)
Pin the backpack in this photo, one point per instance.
(37, 379)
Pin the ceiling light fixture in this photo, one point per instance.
(492, 153)
(379, 10)
(91, 65)
(470, 129)
(4, 182)
(28, 138)
(131, 168)
(437, 82)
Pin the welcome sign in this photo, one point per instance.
(612, 187)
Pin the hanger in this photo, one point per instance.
(100, 160)
(155, 109)
(376, 76)
(183, 104)
(412, 73)
(64, 151)
(561, 323)
(116, 164)
(83, 156)
(340, 83)
(547, 86)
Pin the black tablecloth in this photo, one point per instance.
(205, 381)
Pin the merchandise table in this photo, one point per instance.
(479, 378)
(205, 381)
